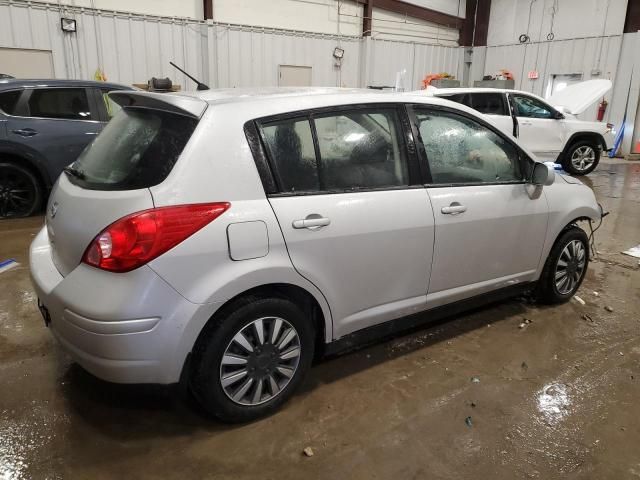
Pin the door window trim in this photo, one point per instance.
(268, 171)
(523, 158)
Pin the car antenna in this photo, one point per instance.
(201, 86)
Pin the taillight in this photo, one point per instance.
(138, 238)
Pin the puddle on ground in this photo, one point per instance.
(553, 402)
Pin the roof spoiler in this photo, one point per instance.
(180, 104)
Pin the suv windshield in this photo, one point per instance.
(137, 149)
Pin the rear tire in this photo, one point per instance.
(20, 191)
(565, 268)
(582, 157)
(252, 358)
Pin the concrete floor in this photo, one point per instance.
(557, 398)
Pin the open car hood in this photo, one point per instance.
(576, 98)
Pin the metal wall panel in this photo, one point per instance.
(386, 58)
(132, 48)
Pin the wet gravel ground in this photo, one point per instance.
(510, 391)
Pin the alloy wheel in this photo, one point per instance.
(583, 157)
(570, 267)
(17, 192)
(260, 361)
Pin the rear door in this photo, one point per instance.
(539, 130)
(355, 217)
(489, 231)
(56, 123)
(494, 106)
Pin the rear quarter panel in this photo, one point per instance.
(217, 166)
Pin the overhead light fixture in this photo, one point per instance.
(338, 52)
(68, 25)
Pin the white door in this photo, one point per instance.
(26, 63)
(489, 232)
(539, 130)
(294, 76)
(353, 222)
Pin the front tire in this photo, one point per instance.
(252, 358)
(565, 268)
(20, 191)
(582, 157)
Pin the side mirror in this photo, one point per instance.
(543, 174)
(558, 115)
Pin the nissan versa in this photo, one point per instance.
(224, 238)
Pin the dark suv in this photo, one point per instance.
(44, 125)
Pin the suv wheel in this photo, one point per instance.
(582, 157)
(252, 359)
(565, 267)
(20, 191)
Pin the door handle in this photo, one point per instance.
(454, 209)
(525, 123)
(25, 132)
(312, 222)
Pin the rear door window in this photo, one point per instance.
(9, 101)
(137, 149)
(60, 103)
(361, 149)
(358, 149)
(292, 153)
(463, 98)
(489, 103)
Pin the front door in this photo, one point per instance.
(539, 131)
(56, 124)
(489, 231)
(356, 220)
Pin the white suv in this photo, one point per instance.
(549, 128)
(224, 238)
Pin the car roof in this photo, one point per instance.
(252, 103)
(11, 83)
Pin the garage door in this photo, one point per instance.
(26, 63)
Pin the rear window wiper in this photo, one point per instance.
(74, 172)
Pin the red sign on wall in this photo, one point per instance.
(533, 74)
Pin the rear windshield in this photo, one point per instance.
(137, 149)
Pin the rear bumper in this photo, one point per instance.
(123, 328)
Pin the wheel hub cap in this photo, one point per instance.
(260, 361)
(17, 192)
(570, 267)
(583, 157)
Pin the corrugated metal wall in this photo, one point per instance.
(132, 48)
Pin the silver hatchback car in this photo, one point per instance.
(225, 238)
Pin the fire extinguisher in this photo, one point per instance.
(602, 107)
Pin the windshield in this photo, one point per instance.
(137, 149)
